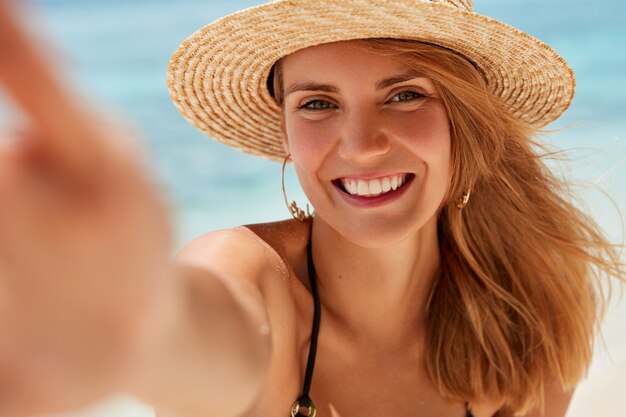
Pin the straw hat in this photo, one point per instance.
(218, 77)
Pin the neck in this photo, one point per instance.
(376, 295)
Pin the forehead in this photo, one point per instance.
(340, 59)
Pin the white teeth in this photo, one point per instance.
(386, 184)
(374, 187)
(364, 189)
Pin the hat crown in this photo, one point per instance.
(460, 4)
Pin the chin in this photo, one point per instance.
(379, 231)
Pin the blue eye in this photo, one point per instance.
(317, 105)
(408, 95)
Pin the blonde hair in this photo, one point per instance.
(517, 301)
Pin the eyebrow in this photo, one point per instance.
(407, 76)
(328, 88)
(311, 86)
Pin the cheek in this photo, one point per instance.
(308, 142)
(426, 133)
(428, 137)
(428, 129)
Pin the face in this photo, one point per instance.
(370, 141)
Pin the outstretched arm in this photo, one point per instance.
(90, 302)
(213, 357)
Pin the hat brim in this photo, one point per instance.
(218, 76)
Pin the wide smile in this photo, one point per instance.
(373, 191)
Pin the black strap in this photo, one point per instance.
(305, 400)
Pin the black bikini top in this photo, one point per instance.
(304, 400)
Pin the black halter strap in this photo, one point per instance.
(305, 400)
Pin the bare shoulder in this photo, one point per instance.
(271, 256)
(288, 238)
(228, 253)
(255, 263)
(258, 253)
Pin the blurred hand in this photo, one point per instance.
(84, 243)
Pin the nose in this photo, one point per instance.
(363, 136)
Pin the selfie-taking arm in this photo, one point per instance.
(90, 302)
(217, 349)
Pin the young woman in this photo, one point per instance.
(443, 273)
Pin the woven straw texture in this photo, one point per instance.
(217, 77)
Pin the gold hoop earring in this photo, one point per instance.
(462, 202)
(296, 212)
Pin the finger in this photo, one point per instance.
(38, 91)
(27, 76)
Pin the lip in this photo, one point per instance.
(371, 176)
(380, 200)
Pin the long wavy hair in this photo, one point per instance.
(518, 298)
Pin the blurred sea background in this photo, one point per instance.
(117, 52)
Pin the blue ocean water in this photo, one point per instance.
(118, 51)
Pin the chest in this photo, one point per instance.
(366, 387)
(350, 380)
(371, 386)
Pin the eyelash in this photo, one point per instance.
(416, 95)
